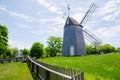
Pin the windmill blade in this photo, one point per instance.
(88, 13)
(88, 38)
(92, 37)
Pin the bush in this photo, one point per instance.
(25, 51)
(37, 50)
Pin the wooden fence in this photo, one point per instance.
(50, 72)
(17, 59)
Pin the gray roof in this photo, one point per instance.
(71, 21)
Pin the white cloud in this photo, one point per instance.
(18, 44)
(16, 14)
(52, 20)
(20, 15)
(109, 7)
(49, 6)
(3, 8)
(48, 30)
(112, 16)
(108, 34)
(24, 26)
(53, 26)
(78, 16)
(110, 11)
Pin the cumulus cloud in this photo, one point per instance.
(18, 44)
(24, 26)
(78, 16)
(50, 7)
(20, 15)
(109, 34)
(15, 13)
(110, 11)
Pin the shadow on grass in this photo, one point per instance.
(33, 74)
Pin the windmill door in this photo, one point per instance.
(72, 50)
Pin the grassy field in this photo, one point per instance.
(15, 71)
(96, 67)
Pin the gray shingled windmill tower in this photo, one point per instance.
(73, 39)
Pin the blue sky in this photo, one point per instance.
(29, 21)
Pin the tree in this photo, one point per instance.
(54, 45)
(96, 47)
(47, 50)
(3, 50)
(37, 50)
(25, 51)
(8, 53)
(117, 50)
(3, 35)
(107, 48)
(3, 40)
(14, 52)
(89, 49)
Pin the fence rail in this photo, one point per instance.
(49, 72)
(17, 59)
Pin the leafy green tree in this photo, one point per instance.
(14, 52)
(117, 50)
(3, 50)
(107, 48)
(25, 51)
(47, 50)
(96, 47)
(8, 53)
(54, 45)
(3, 34)
(3, 40)
(89, 49)
(37, 50)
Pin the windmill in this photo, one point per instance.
(73, 38)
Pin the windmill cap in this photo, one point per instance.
(71, 21)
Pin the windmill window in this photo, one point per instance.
(67, 21)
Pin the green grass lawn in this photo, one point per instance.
(15, 71)
(96, 67)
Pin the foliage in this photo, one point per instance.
(14, 52)
(15, 71)
(8, 53)
(3, 50)
(54, 45)
(89, 49)
(25, 51)
(37, 50)
(117, 50)
(3, 40)
(96, 47)
(107, 48)
(100, 67)
(3, 34)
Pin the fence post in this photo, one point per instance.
(79, 75)
(47, 75)
(37, 70)
(32, 67)
(82, 75)
(3, 61)
(75, 72)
